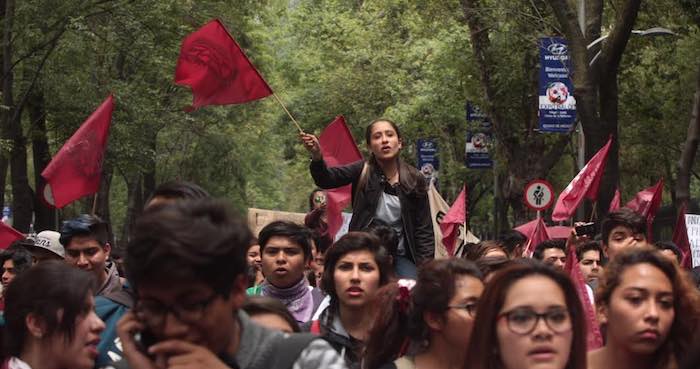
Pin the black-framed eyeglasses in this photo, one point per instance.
(154, 312)
(470, 308)
(523, 320)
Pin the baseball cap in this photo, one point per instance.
(49, 240)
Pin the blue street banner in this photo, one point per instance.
(428, 161)
(557, 106)
(476, 154)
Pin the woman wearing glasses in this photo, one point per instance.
(529, 317)
(426, 323)
(649, 310)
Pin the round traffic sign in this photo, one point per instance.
(538, 195)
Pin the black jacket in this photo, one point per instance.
(415, 208)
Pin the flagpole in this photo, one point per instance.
(94, 204)
(288, 113)
(593, 211)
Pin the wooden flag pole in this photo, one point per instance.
(288, 113)
(94, 204)
(593, 211)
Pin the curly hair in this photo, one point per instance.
(686, 300)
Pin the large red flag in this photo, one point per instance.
(75, 170)
(585, 184)
(217, 70)
(8, 235)
(450, 222)
(647, 203)
(338, 148)
(615, 203)
(594, 337)
(680, 238)
(539, 234)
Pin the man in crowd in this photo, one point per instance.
(513, 242)
(621, 229)
(187, 263)
(589, 257)
(47, 246)
(15, 260)
(551, 252)
(286, 253)
(670, 251)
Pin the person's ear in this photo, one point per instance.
(433, 320)
(602, 312)
(35, 325)
(238, 290)
(107, 249)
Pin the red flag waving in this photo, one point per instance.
(338, 148)
(586, 183)
(680, 238)
(647, 203)
(8, 235)
(615, 203)
(75, 170)
(217, 70)
(594, 337)
(456, 216)
(538, 235)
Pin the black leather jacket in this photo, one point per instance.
(415, 208)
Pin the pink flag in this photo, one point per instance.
(451, 221)
(680, 238)
(8, 235)
(594, 337)
(539, 234)
(338, 148)
(585, 184)
(615, 203)
(647, 203)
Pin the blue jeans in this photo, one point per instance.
(405, 268)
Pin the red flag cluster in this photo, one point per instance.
(647, 203)
(338, 148)
(680, 238)
(585, 184)
(451, 221)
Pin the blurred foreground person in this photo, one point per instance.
(649, 310)
(356, 266)
(528, 317)
(187, 263)
(426, 323)
(50, 319)
(271, 313)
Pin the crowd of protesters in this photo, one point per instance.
(195, 288)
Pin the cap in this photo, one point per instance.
(48, 240)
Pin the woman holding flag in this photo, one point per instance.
(383, 188)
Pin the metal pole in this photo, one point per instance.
(581, 139)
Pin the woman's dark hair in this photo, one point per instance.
(20, 256)
(685, 299)
(396, 323)
(387, 235)
(54, 292)
(670, 245)
(477, 251)
(196, 240)
(509, 240)
(491, 264)
(350, 242)
(255, 305)
(179, 190)
(484, 351)
(410, 179)
(296, 233)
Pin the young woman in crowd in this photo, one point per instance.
(255, 276)
(356, 266)
(649, 311)
(428, 325)
(51, 325)
(271, 313)
(384, 188)
(528, 317)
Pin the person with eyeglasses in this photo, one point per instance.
(426, 323)
(649, 310)
(529, 316)
(355, 267)
(187, 263)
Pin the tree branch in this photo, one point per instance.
(616, 43)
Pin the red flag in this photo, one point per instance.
(594, 337)
(680, 238)
(586, 183)
(539, 234)
(217, 70)
(456, 216)
(8, 235)
(338, 148)
(615, 203)
(75, 170)
(647, 203)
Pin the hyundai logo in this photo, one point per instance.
(557, 49)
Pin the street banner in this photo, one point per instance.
(477, 154)
(692, 223)
(428, 161)
(474, 113)
(557, 106)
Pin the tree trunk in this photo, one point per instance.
(103, 209)
(690, 148)
(44, 215)
(134, 206)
